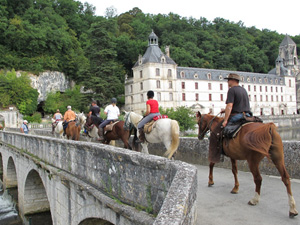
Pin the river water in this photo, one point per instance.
(9, 214)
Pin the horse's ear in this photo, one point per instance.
(198, 114)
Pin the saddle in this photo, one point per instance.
(231, 130)
(148, 127)
(110, 126)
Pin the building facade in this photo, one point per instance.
(205, 90)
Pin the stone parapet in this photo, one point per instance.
(165, 189)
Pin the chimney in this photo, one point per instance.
(167, 50)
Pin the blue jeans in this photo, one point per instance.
(237, 117)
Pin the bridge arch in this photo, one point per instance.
(35, 196)
(94, 221)
(11, 180)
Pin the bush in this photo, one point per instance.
(184, 116)
(36, 117)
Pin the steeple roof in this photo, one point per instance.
(153, 53)
(287, 41)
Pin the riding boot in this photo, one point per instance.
(142, 137)
(101, 134)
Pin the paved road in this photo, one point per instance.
(217, 206)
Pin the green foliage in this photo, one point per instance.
(97, 52)
(72, 97)
(184, 116)
(36, 117)
(17, 91)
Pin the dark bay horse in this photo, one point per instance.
(253, 142)
(118, 131)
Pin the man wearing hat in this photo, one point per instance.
(237, 102)
(24, 127)
(68, 116)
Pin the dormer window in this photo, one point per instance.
(163, 59)
(196, 75)
(220, 77)
(209, 76)
(182, 74)
(242, 78)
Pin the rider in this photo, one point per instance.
(151, 111)
(57, 117)
(237, 102)
(68, 117)
(112, 111)
(94, 109)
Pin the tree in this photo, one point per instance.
(184, 116)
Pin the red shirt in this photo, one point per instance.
(153, 106)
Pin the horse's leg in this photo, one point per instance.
(210, 176)
(277, 157)
(235, 189)
(253, 166)
(145, 148)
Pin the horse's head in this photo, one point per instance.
(204, 122)
(89, 121)
(82, 118)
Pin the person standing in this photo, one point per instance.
(24, 128)
(112, 111)
(152, 110)
(68, 117)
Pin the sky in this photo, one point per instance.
(274, 15)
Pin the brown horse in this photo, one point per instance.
(253, 142)
(73, 130)
(118, 131)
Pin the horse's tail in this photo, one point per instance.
(175, 139)
(261, 139)
(76, 135)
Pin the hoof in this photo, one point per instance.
(210, 184)
(234, 192)
(250, 203)
(292, 215)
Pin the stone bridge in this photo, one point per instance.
(80, 182)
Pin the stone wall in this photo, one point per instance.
(193, 151)
(163, 188)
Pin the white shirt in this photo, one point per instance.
(113, 112)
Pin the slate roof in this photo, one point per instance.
(218, 75)
(287, 41)
(154, 54)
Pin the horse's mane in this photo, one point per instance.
(96, 119)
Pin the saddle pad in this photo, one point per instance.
(149, 126)
(109, 127)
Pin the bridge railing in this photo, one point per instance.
(166, 189)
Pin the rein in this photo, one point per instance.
(208, 126)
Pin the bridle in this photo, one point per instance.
(208, 126)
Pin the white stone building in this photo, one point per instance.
(205, 90)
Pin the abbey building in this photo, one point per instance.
(205, 90)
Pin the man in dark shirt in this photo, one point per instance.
(94, 109)
(237, 102)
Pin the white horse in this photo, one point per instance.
(58, 131)
(165, 130)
